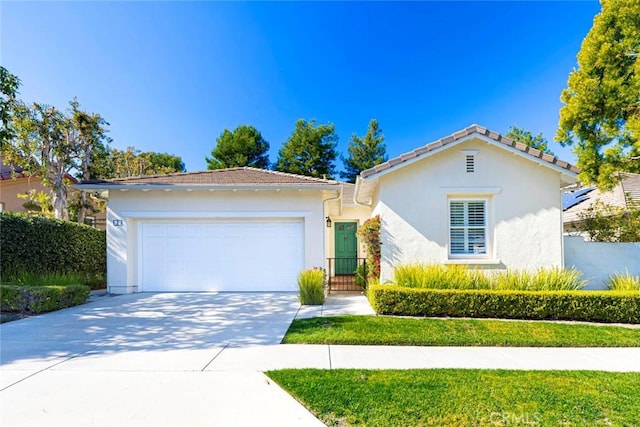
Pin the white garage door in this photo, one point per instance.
(221, 255)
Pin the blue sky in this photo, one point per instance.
(170, 76)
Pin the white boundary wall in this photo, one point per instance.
(598, 260)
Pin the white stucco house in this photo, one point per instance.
(473, 198)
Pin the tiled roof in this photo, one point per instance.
(230, 177)
(629, 184)
(348, 191)
(473, 129)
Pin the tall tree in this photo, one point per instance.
(89, 134)
(244, 146)
(539, 142)
(43, 145)
(601, 112)
(310, 150)
(164, 162)
(364, 153)
(113, 163)
(9, 85)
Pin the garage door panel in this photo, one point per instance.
(222, 255)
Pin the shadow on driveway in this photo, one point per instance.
(151, 322)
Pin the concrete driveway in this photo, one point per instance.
(145, 359)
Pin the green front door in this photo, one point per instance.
(346, 247)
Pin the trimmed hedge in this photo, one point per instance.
(596, 306)
(45, 245)
(40, 299)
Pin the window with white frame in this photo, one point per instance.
(468, 227)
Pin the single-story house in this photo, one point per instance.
(474, 198)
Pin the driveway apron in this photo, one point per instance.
(141, 359)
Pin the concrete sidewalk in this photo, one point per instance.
(161, 360)
(263, 358)
(337, 305)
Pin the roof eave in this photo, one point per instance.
(227, 187)
(415, 156)
(366, 186)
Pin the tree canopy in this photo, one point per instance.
(110, 163)
(9, 85)
(46, 143)
(243, 146)
(310, 150)
(539, 142)
(601, 112)
(364, 153)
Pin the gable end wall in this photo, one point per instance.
(524, 209)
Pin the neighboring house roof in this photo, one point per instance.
(365, 184)
(578, 201)
(242, 177)
(10, 171)
(631, 185)
(13, 171)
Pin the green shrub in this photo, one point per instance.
(30, 278)
(40, 299)
(369, 234)
(437, 276)
(599, 306)
(95, 281)
(311, 284)
(44, 245)
(554, 279)
(361, 276)
(624, 282)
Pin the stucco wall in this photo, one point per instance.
(598, 260)
(524, 209)
(134, 206)
(10, 188)
(357, 214)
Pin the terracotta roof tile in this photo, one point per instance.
(446, 140)
(231, 176)
(534, 152)
(461, 134)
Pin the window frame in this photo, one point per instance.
(487, 227)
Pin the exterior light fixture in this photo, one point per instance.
(328, 222)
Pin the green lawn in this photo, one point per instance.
(379, 330)
(450, 397)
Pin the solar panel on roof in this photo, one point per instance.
(582, 191)
(572, 198)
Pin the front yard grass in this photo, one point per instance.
(457, 397)
(381, 330)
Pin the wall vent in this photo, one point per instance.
(471, 164)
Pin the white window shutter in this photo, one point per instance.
(468, 227)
